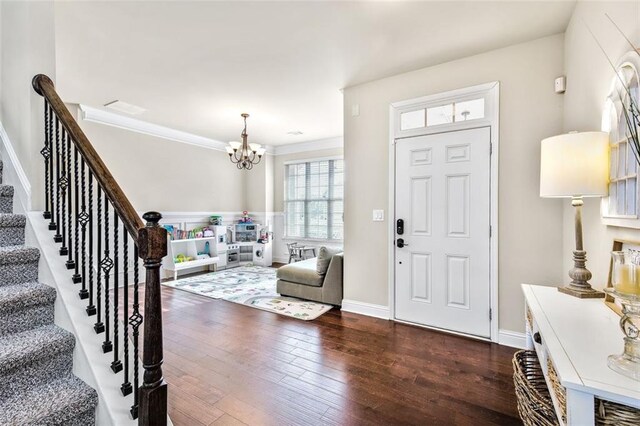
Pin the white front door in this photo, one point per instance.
(443, 198)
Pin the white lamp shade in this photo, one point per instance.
(575, 165)
(234, 144)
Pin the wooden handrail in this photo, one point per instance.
(130, 218)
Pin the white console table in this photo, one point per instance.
(577, 336)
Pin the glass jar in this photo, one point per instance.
(625, 274)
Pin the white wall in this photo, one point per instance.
(163, 175)
(530, 228)
(589, 77)
(28, 48)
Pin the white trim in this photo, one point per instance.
(512, 338)
(313, 240)
(451, 95)
(317, 145)
(368, 309)
(107, 118)
(25, 185)
(443, 330)
(491, 92)
(313, 159)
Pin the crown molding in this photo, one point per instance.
(99, 116)
(108, 118)
(317, 145)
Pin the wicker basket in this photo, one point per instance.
(534, 402)
(558, 390)
(610, 413)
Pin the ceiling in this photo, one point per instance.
(195, 66)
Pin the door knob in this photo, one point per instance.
(400, 243)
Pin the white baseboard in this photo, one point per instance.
(277, 259)
(512, 338)
(368, 309)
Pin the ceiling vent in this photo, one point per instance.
(125, 107)
(294, 133)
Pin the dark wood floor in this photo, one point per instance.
(228, 364)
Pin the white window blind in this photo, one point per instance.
(314, 199)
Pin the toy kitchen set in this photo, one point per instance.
(223, 247)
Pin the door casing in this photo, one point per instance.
(491, 94)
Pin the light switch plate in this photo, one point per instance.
(378, 215)
(355, 110)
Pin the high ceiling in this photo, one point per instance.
(195, 66)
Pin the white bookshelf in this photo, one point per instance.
(190, 247)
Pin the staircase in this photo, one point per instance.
(37, 385)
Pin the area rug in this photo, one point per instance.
(253, 286)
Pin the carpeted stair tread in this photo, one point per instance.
(19, 296)
(11, 220)
(56, 402)
(6, 190)
(37, 385)
(18, 254)
(19, 349)
(12, 229)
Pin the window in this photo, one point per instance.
(623, 174)
(454, 112)
(314, 199)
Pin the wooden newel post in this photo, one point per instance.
(152, 248)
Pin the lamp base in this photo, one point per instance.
(581, 292)
(580, 275)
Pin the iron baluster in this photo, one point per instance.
(57, 238)
(83, 220)
(70, 262)
(107, 265)
(126, 384)
(116, 365)
(46, 154)
(99, 325)
(62, 194)
(136, 320)
(77, 278)
(91, 309)
(52, 223)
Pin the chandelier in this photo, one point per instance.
(243, 154)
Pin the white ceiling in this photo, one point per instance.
(195, 66)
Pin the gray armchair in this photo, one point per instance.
(301, 280)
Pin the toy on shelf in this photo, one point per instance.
(215, 220)
(265, 236)
(204, 254)
(181, 258)
(179, 234)
(245, 218)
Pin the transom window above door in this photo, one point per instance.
(453, 112)
(314, 203)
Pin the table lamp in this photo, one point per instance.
(576, 165)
